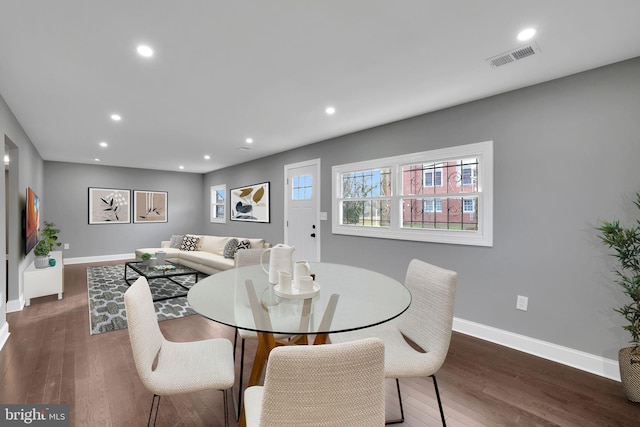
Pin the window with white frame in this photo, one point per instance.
(218, 203)
(365, 197)
(432, 175)
(443, 195)
(432, 205)
(302, 188)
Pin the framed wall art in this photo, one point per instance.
(149, 206)
(109, 206)
(250, 203)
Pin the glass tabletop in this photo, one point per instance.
(364, 298)
(152, 272)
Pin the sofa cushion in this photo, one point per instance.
(176, 241)
(245, 244)
(257, 243)
(214, 244)
(208, 259)
(190, 243)
(230, 248)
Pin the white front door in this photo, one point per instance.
(302, 209)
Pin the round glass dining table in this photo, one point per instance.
(344, 298)
(365, 298)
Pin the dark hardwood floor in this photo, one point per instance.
(51, 358)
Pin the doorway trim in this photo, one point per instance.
(312, 162)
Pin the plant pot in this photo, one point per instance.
(41, 261)
(629, 362)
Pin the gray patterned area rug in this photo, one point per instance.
(106, 288)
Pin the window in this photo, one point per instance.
(432, 175)
(469, 174)
(365, 198)
(468, 205)
(218, 203)
(443, 195)
(302, 188)
(432, 205)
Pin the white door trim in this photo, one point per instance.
(312, 162)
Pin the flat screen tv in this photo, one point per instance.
(32, 220)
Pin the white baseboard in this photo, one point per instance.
(15, 305)
(99, 258)
(4, 334)
(601, 366)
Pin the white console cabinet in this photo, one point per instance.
(39, 282)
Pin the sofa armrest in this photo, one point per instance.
(165, 244)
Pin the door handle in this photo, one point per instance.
(313, 234)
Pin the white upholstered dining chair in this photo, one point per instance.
(166, 367)
(427, 322)
(330, 385)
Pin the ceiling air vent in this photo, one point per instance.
(513, 55)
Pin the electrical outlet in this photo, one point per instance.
(522, 303)
(66, 246)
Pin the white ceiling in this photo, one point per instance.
(227, 70)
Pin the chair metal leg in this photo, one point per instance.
(401, 419)
(435, 386)
(226, 408)
(240, 379)
(235, 341)
(153, 400)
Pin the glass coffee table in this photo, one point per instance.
(170, 273)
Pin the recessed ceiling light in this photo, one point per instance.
(207, 157)
(144, 50)
(249, 140)
(180, 167)
(526, 34)
(116, 117)
(7, 160)
(330, 110)
(96, 159)
(104, 144)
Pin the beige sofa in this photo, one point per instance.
(209, 256)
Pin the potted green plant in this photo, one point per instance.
(145, 258)
(625, 241)
(41, 252)
(50, 234)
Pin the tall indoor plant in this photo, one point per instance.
(625, 241)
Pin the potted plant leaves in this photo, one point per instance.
(50, 235)
(625, 242)
(41, 252)
(145, 258)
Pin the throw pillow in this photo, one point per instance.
(189, 243)
(245, 244)
(176, 241)
(230, 248)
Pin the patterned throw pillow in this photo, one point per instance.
(176, 241)
(230, 248)
(189, 243)
(245, 244)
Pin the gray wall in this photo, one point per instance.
(566, 156)
(66, 196)
(25, 170)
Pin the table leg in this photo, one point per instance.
(321, 339)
